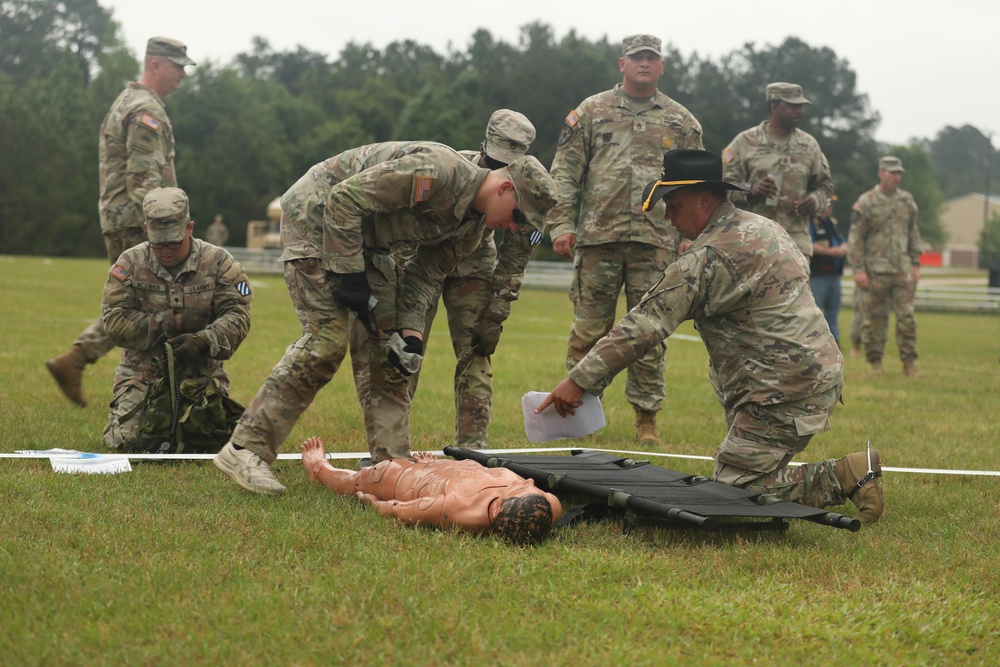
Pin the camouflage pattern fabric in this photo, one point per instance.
(796, 159)
(607, 153)
(144, 304)
(857, 318)
(217, 233)
(599, 274)
(885, 243)
(136, 154)
(772, 356)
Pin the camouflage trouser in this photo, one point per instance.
(307, 366)
(763, 439)
(889, 291)
(464, 300)
(599, 272)
(857, 319)
(119, 433)
(93, 340)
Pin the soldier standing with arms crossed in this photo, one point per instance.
(136, 152)
(884, 248)
(610, 148)
(782, 166)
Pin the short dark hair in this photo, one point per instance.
(524, 520)
(492, 164)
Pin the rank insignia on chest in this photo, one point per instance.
(668, 142)
(119, 272)
(422, 191)
(150, 122)
(243, 287)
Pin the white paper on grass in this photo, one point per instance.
(69, 460)
(549, 425)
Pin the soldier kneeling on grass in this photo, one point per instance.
(178, 307)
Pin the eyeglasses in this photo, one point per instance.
(174, 245)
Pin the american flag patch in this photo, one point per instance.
(572, 118)
(536, 237)
(150, 122)
(119, 272)
(423, 191)
(243, 287)
(727, 155)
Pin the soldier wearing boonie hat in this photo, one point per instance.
(136, 155)
(167, 215)
(508, 136)
(783, 167)
(599, 222)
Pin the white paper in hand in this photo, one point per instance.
(549, 425)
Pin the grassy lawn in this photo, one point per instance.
(174, 564)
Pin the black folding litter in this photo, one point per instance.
(651, 495)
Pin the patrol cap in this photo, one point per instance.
(636, 43)
(890, 163)
(171, 49)
(167, 214)
(786, 92)
(508, 136)
(682, 168)
(535, 189)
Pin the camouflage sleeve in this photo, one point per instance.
(692, 138)
(820, 180)
(661, 311)
(569, 168)
(513, 253)
(231, 305)
(126, 324)
(856, 237)
(147, 156)
(915, 242)
(345, 209)
(420, 279)
(734, 171)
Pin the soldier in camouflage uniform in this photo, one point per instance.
(175, 289)
(884, 248)
(340, 225)
(610, 147)
(217, 233)
(477, 296)
(136, 153)
(786, 173)
(773, 362)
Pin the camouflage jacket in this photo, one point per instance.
(376, 198)
(747, 290)
(884, 234)
(136, 152)
(144, 304)
(798, 164)
(606, 156)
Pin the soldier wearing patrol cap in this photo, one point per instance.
(782, 166)
(477, 296)
(884, 249)
(136, 155)
(609, 149)
(175, 289)
(339, 225)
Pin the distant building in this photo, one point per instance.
(962, 220)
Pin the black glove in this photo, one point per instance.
(188, 347)
(355, 292)
(485, 337)
(409, 355)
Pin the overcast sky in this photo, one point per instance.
(923, 65)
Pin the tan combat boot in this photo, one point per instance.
(645, 428)
(860, 477)
(910, 369)
(67, 371)
(877, 367)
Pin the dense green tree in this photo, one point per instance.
(964, 158)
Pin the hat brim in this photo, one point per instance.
(655, 191)
(183, 62)
(791, 100)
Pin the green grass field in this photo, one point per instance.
(173, 564)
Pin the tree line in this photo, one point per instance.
(247, 129)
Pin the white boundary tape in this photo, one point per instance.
(42, 454)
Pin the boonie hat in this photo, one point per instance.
(682, 168)
(167, 215)
(508, 136)
(171, 49)
(535, 189)
(890, 163)
(636, 43)
(786, 92)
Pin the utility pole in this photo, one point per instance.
(989, 168)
